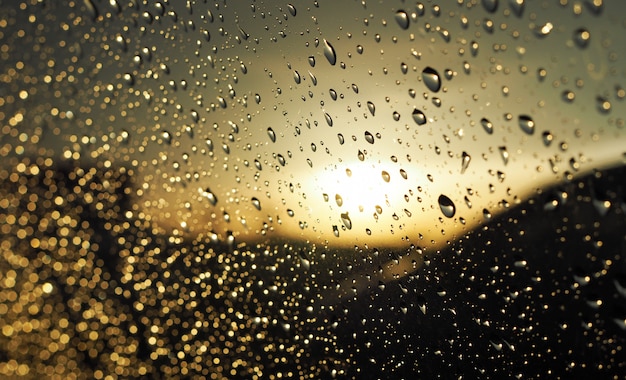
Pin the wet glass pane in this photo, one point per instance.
(316, 189)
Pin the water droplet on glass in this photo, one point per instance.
(582, 37)
(431, 79)
(342, 140)
(504, 154)
(371, 107)
(291, 9)
(396, 116)
(345, 218)
(296, 77)
(329, 52)
(526, 124)
(312, 61)
(386, 176)
(447, 206)
(209, 195)
(465, 161)
(486, 215)
(603, 104)
(517, 6)
(256, 203)
(490, 5)
(355, 88)
(547, 138)
(568, 96)
(487, 125)
(333, 94)
(403, 173)
(361, 155)
(542, 31)
(271, 134)
(402, 19)
(329, 119)
(419, 117)
(369, 137)
(338, 200)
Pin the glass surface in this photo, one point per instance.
(321, 189)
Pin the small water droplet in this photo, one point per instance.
(312, 61)
(582, 38)
(338, 200)
(547, 138)
(419, 117)
(504, 154)
(369, 137)
(402, 19)
(333, 94)
(271, 134)
(209, 195)
(517, 6)
(336, 231)
(386, 176)
(490, 5)
(396, 116)
(487, 125)
(296, 77)
(329, 119)
(526, 124)
(568, 96)
(281, 160)
(256, 203)
(465, 161)
(361, 155)
(345, 218)
(403, 173)
(342, 140)
(329, 53)
(487, 215)
(371, 107)
(447, 206)
(542, 31)
(603, 104)
(355, 88)
(359, 49)
(431, 79)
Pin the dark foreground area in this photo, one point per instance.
(89, 289)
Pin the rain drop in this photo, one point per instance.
(256, 203)
(465, 161)
(447, 206)
(487, 125)
(371, 107)
(271, 134)
(431, 79)
(402, 19)
(386, 176)
(369, 137)
(419, 117)
(345, 218)
(329, 53)
(527, 124)
(582, 37)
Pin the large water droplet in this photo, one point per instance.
(419, 117)
(517, 6)
(329, 53)
(526, 124)
(447, 206)
(431, 79)
(369, 137)
(402, 19)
